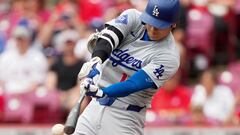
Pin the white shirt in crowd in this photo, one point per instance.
(18, 72)
(218, 106)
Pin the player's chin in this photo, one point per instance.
(155, 38)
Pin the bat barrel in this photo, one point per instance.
(72, 118)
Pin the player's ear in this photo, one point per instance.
(173, 26)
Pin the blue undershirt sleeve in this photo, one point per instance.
(137, 82)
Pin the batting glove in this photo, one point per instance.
(91, 69)
(91, 90)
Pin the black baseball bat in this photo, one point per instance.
(72, 118)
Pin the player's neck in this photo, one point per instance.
(147, 38)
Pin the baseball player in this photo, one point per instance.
(131, 58)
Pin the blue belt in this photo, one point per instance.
(108, 101)
(134, 108)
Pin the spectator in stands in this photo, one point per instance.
(139, 4)
(36, 9)
(4, 10)
(178, 34)
(23, 70)
(31, 13)
(171, 102)
(35, 14)
(212, 101)
(63, 73)
(64, 16)
(237, 12)
(89, 9)
(199, 35)
(122, 5)
(237, 108)
(13, 16)
(81, 50)
(231, 77)
(225, 27)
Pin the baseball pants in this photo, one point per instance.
(97, 119)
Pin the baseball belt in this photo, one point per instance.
(116, 103)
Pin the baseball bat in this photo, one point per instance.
(72, 118)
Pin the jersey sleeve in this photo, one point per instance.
(116, 30)
(126, 22)
(162, 68)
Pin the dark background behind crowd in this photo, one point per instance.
(43, 46)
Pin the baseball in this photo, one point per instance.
(57, 129)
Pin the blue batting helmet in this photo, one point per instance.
(161, 13)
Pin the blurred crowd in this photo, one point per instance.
(43, 46)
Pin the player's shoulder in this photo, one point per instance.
(167, 49)
(168, 45)
(131, 14)
(128, 20)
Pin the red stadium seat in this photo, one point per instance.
(44, 97)
(46, 106)
(17, 109)
(41, 106)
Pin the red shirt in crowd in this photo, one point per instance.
(178, 99)
(90, 9)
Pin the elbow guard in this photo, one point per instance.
(111, 34)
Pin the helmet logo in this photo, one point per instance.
(155, 11)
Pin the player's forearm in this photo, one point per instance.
(139, 81)
(102, 50)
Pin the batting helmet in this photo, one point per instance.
(161, 13)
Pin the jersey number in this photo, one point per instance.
(124, 77)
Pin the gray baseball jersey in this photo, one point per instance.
(159, 59)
